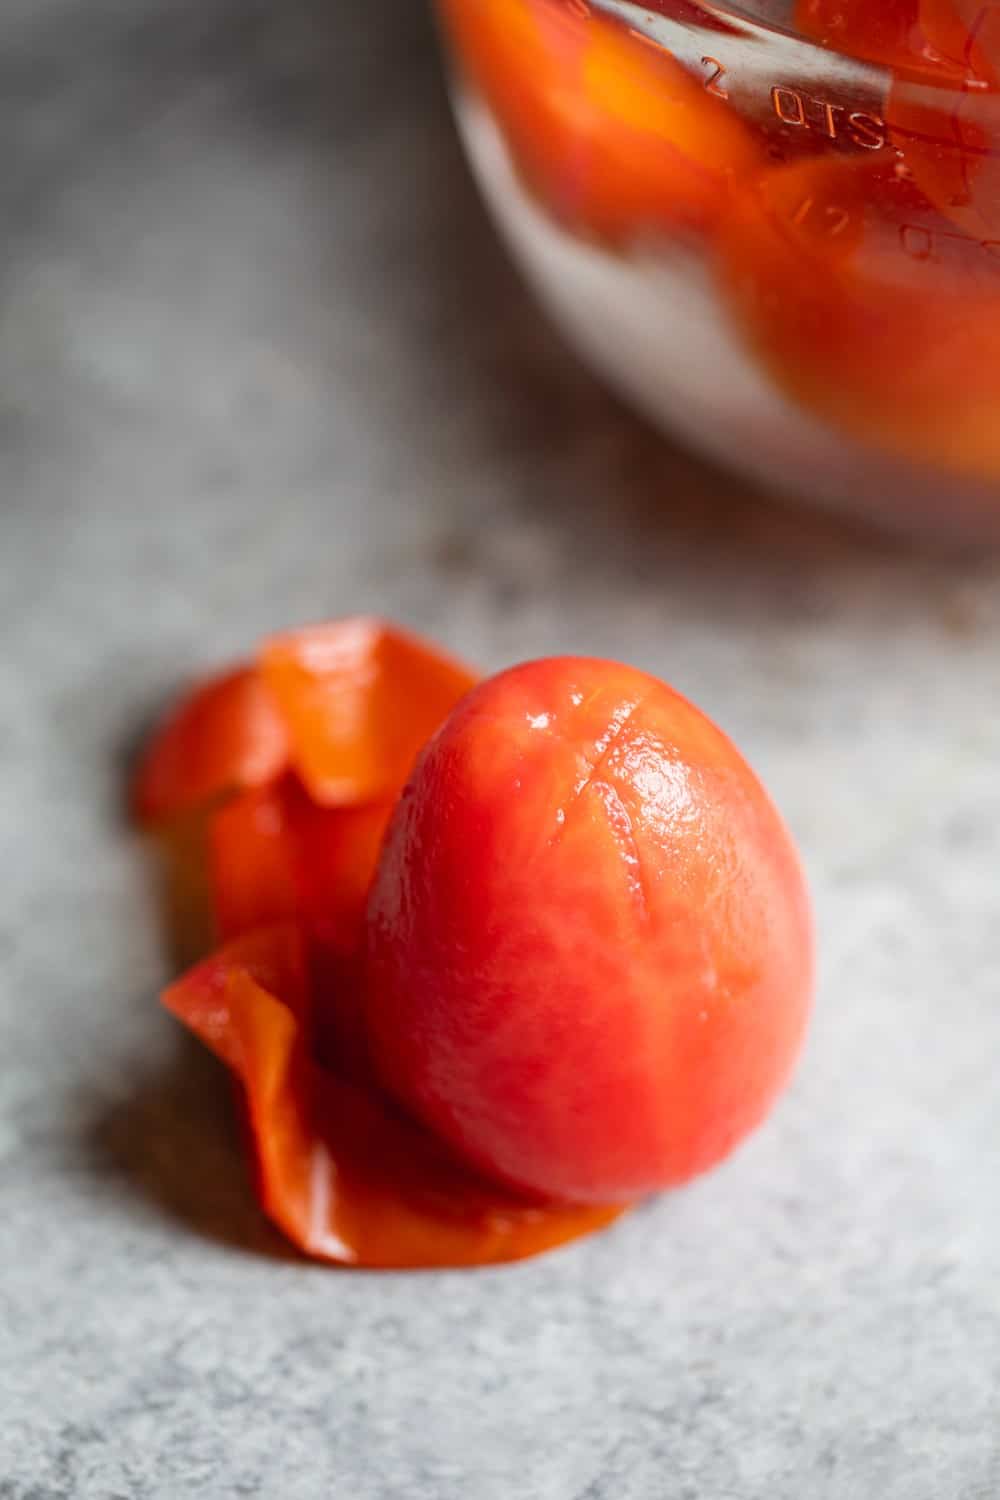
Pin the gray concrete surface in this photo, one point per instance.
(261, 360)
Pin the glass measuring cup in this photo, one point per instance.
(774, 227)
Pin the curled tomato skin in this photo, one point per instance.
(275, 855)
(252, 867)
(344, 705)
(339, 1171)
(223, 737)
(589, 959)
(358, 698)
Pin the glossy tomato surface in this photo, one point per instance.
(589, 953)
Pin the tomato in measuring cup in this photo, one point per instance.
(958, 38)
(963, 36)
(947, 128)
(883, 31)
(606, 128)
(942, 107)
(950, 143)
(867, 311)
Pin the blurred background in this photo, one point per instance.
(262, 361)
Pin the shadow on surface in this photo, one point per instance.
(176, 1137)
(175, 1141)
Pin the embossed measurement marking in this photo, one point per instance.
(713, 83)
(921, 243)
(916, 240)
(833, 219)
(837, 121)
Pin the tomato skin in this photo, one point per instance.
(337, 1170)
(589, 956)
(222, 737)
(251, 861)
(346, 705)
(275, 856)
(358, 698)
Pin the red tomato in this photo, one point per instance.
(342, 1175)
(608, 129)
(589, 946)
(224, 736)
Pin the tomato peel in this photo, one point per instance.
(342, 1175)
(275, 855)
(251, 862)
(224, 736)
(346, 705)
(358, 697)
